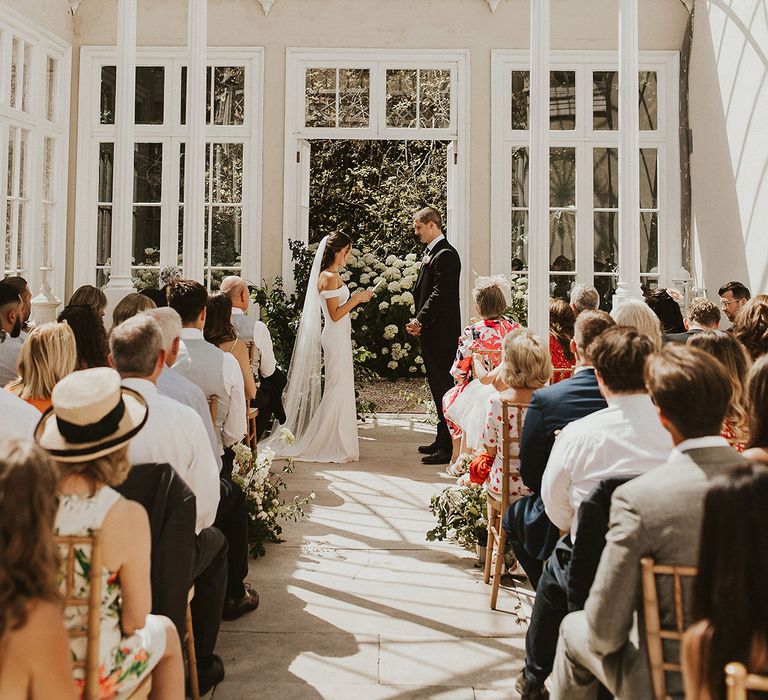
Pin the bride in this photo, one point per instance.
(325, 428)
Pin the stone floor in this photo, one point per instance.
(357, 605)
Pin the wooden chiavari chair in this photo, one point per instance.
(738, 681)
(561, 373)
(251, 413)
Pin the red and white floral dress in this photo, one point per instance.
(560, 361)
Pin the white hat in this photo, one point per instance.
(91, 416)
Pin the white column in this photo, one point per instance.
(194, 167)
(120, 282)
(538, 172)
(629, 155)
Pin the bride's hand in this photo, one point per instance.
(363, 297)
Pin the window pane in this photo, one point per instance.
(560, 286)
(108, 94)
(228, 94)
(50, 93)
(401, 98)
(106, 165)
(521, 94)
(649, 242)
(47, 169)
(320, 97)
(24, 134)
(146, 235)
(562, 177)
(606, 287)
(225, 236)
(150, 94)
(227, 172)
(25, 82)
(562, 100)
(519, 237)
(20, 237)
(214, 278)
(519, 176)
(102, 277)
(435, 102)
(145, 278)
(148, 172)
(649, 186)
(45, 237)
(354, 98)
(182, 151)
(606, 241)
(9, 216)
(605, 177)
(562, 241)
(605, 100)
(648, 100)
(104, 235)
(10, 180)
(16, 51)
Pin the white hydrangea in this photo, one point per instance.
(385, 351)
(392, 365)
(391, 259)
(352, 285)
(346, 276)
(353, 314)
(356, 253)
(400, 263)
(363, 328)
(411, 257)
(390, 332)
(365, 278)
(419, 360)
(397, 300)
(413, 369)
(413, 308)
(407, 282)
(393, 286)
(407, 298)
(383, 306)
(369, 258)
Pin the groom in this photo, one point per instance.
(438, 320)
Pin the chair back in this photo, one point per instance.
(655, 634)
(485, 360)
(212, 407)
(561, 373)
(510, 445)
(738, 681)
(67, 546)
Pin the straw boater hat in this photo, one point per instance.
(91, 416)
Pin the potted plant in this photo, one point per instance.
(461, 517)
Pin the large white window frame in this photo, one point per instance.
(91, 134)
(298, 137)
(584, 139)
(41, 119)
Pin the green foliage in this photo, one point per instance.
(461, 515)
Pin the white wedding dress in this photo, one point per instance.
(325, 428)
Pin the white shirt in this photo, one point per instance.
(9, 354)
(179, 388)
(235, 425)
(262, 339)
(625, 439)
(18, 419)
(433, 243)
(697, 443)
(174, 433)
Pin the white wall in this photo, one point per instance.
(53, 16)
(729, 118)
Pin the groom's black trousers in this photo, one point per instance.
(438, 359)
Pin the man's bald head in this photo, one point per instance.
(236, 288)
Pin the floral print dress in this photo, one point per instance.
(123, 661)
(560, 361)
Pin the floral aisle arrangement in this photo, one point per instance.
(461, 515)
(518, 305)
(263, 489)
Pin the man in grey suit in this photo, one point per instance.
(656, 515)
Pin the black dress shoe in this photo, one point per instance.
(439, 457)
(211, 675)
(529, 690)
(237, 607)
(429, 449)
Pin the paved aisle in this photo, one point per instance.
(357, 605)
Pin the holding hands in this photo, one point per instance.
(413, 328)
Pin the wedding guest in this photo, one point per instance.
(156, 295)
(584, 298)
(702, 315)
(129, 306)
(49, 353)
(757, 400)
(177, 386)
(90, 335)
(751, 326)
(22, 287)
(86, 434)
(734, 512)
(604, 643)
(35, 662)
(89, 295)
(638, 315)
(529, 531)
(666, 308)
(11, 335)
(733, 297)
(624, 439)
(10, 347)
(561, 320)
(220, 331)
(731, 354)
(18, 419)
(216, 372)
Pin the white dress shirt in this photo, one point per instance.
(625, 439)
(235, 424)
(433, 243)
(262, 339)
(174, 433)
(18, 419)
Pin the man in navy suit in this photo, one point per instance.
(529, 530)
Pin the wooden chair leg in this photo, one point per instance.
(489, 546)
(498, 568)
(194, 688)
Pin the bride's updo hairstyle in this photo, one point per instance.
(336, 242)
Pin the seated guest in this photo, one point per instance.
(220, 332)
(561, 320)
(702, 315)
(733, 297)
(86, 435)
(88, 295)
(757, 401)
(731, 354)
(48, 354)
(156, 295)
(177, 386)
(35, 662)
(751, 326)
(129, 306)
(666, 308)
(17, 418)
(584, 298)
(658, 515)
(11, 312)
(530, 533)
(10, 347)
(90, 335)
(734, 528)
(216, 372)
(639, 316)
(622, 440)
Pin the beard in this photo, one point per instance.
(16, 330)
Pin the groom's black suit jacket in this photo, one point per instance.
(437, 297)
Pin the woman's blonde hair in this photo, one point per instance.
(640, 316)
(88, 295)
(130, 305)
(111, 469)
(525, 362)
(48, 354)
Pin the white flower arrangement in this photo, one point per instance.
(392, 365)
(411, 257)
(383, 306)
(390, 332)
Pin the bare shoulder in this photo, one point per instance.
(43, 619)
(126, 522)
(329, 280)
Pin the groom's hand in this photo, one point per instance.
(413, 328)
